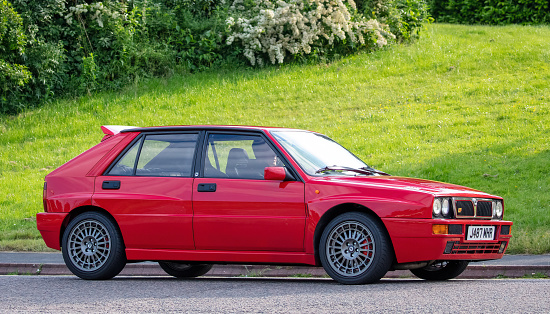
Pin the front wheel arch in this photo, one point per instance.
(355, 249)
(336, 211)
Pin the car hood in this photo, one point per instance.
(411, 184)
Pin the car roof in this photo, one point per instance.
(205, 127)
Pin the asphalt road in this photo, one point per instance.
(165, 294)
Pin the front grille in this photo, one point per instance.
(484, 209)
(465, 208)
(472, 208)
(477, 248)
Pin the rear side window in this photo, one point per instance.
(158, 155)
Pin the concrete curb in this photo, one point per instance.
(147, 269)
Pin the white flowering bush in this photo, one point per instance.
(276, 29)
(97, 11)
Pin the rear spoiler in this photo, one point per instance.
(111, 130)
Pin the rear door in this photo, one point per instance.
(148, 190)
(235, 209)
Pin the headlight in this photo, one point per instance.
(445, 207)
(498, 210)
(437, 207)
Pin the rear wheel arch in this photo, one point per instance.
(336, 211)
(92, 246)
(80, 210)
(183, 270)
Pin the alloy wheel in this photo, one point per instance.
(350, 248)
(89, 245)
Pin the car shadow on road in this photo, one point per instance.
(244, 280)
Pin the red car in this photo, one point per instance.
(192, 196)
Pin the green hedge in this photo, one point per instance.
(58, 48)
(492, 12)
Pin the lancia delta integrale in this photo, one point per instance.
(189, 197)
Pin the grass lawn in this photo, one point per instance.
(465, 104)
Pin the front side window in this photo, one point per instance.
(158, 155)
(238, 157)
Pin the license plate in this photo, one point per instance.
(480, 233)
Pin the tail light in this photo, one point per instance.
(44, 194)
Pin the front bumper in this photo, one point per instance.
(49, 225)
(414, 240)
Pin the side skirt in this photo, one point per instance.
(259, 257)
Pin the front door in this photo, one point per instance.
(235, 209)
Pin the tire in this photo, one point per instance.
(181, 270)
(441, 270)
(92, 247)
(355, 249)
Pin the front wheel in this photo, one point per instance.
(355, 249)
(181, 270)
(92, 247)
(441, 270)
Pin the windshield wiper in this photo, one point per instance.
(364, 170)
(371, 169)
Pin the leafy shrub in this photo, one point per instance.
(88, 78)
(494, 12)
(13, 75)
(63, 36)
(199, 42)
(116, 35)
(404, 17)
(198, 8)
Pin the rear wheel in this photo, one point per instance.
(92, 247)
(355, 249)
(443, 270)
(182, 270)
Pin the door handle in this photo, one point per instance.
(110, 185)
(206, 187)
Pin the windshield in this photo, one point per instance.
(313, 152)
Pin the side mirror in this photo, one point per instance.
(275, 173)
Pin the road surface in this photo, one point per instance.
(314, 295)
